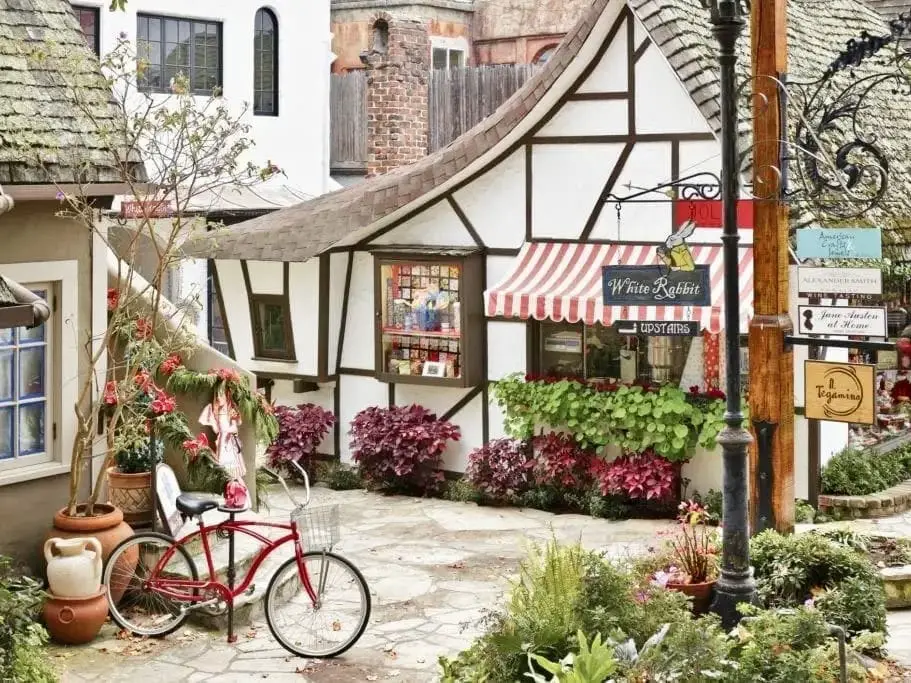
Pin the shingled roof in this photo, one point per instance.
(890, 9)
(44, 136)
(817, 31)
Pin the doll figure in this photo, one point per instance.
(224, 419)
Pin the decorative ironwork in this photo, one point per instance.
(703, 185)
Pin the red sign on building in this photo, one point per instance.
(706, 213)
(155, 208)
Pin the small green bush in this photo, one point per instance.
(461, 491)
(338, 477)
(790, 570)
(853, 472)
(22, 639)
(804, 513)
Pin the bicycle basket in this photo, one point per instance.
(317, 528)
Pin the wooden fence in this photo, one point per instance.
(458, 99)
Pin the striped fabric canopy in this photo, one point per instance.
(562, 281)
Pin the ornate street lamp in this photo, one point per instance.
(735, 585)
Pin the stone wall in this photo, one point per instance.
(398, 72)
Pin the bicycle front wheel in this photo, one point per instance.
(140, 610)
(335, 623)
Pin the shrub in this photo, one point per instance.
(853, 472)
(338, 477)
(500, 470)
(607, 507)
(543, 498)
(846, 587)
(301, 429)
(22, 638)
(561, 463)
(643, 475)
(400, 448)
(461, 491)
(804, 513)
(695, 651)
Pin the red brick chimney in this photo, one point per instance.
(398, 73)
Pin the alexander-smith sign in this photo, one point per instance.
(655, 286)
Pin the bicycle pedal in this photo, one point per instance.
(251, 589)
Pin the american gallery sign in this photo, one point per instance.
(655, 286)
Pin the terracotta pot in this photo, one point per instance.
(701, 593)
(108, 527)
(74, 621)
(132, 494)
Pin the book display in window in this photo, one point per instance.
(422, 330)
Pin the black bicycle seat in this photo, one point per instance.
(193, 506)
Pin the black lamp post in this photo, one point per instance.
(735, 585)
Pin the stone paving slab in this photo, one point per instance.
(433, 568)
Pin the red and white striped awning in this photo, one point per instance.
(560, 281)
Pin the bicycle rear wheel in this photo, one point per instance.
(142, 611)
(338, 620)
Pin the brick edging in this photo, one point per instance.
(892, 501)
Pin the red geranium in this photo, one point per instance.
(194, 446)
(143, 379)
(228, 374)
(162, 403)
(110, 393)
(143, 329)
(113, 298)
(170, 364)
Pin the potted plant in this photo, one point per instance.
(693, 568)
(130, 479)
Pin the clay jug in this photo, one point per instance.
(75, 571)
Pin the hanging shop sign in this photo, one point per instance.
(156, 208)
(844, 321)
(655, 286)
(839, 243)
(838, 392)
(657, 328)
(839, 282)
(707, 213)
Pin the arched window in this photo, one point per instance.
(544, 54)
(265, 64)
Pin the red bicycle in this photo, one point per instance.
(317, 603)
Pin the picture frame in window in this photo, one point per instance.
(434, 368)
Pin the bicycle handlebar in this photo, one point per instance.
(281, 480)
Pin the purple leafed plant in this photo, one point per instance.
(301, 429)
(401, 448)
(501, 469)
(643, 475)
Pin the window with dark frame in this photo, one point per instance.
(218, 331)
(170, 46)
(265, 64)
(272, 327)
(89, 20)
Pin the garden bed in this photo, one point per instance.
(892, 501)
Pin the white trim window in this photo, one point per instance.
(38, 377)
(447, 58)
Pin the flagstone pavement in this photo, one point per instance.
(433, 567)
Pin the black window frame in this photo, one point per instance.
(95, 12)
(215, 303)
(285, 353)
(258, 54)
(164, 85)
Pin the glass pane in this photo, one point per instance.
(183, 32)
(273, 321)
(31, 336)
(31, 428)
(6, 337)
(456, 59)
(561, 350)
(608, 356)
(155, 29)
(31, 372)
(439, 58)
(7, 359)
(6, 433)
(170, 31)
(142, 32)
(421, 319)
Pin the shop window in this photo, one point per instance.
(25, 394)
(272, 336)
(599, 353)
(429, 319)
(89, 23)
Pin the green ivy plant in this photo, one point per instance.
(664, 419)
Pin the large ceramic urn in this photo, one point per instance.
(73, 566)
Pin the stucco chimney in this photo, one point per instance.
(398, 73)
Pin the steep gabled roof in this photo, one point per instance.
(44, 136)
(890, 9)
(817, 31)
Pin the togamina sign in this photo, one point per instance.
(839, 392)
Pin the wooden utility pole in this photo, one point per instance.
(771, 362)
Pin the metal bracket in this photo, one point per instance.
(765, 432)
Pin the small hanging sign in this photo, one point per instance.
(838, 392)
(839, 243)
(839, 282)
(842, 321)
(655, 286)
(657, 328)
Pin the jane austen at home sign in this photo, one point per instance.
(839, 392)
(655, 286)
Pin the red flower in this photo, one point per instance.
(143, 329)
(162, 403)
(113, 298)
(194, 446)
(694, 389)
(170, 364)
(143, 379)
(110, 393)
(228, 375)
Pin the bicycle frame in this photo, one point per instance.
(197, 590)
